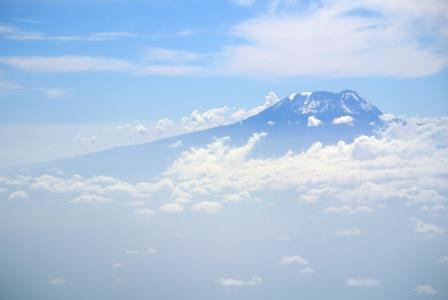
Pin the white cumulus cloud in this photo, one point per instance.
(347, 120)
(363, 282)
(19, 195)
(57, 281)
(231, 282)
(90, 199)
(313, 122)
(428, 229)
(425, 289)
(293, 260)
(208, 207)
(171, 208)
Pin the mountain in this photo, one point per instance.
(325, 106)
(292, 123)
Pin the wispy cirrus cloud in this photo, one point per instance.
(15, 33)
(66, 63)
(170, 70)
(54, 92)
(171, 55)
(84, 63)
(330, 38)
(7, 86)
(342, 38)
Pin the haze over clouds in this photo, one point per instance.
(236, 149)
(377, 170)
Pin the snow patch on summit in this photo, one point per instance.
(312, 106)
(292, 96)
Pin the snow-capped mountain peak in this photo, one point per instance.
(322, 105)
(347, 102)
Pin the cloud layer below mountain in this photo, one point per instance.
(405, 163)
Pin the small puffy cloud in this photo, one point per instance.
(208, 207)
(54, 92)
(312, 195)
(241, 196)
(176, 144)
(90, 199)
(307, 271)
(99, 185)
(224, 115)
(427, 229)
(18, 195)
(57, 281)
(435, 209)
(16, 180)
(293, 260)
(270, 99)
(163, 124)
(313, 122)
(348, 210)
(83, 140)
(344, 120)
(425, 289)
(172, 208)
(231, 282)
(207, 119)
(143, 213)
(387, 117)
(443, 260)
(138, 252)
(140, 129)
(118, 265)
(363, 282)
(348, 232)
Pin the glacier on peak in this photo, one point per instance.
(344, 102)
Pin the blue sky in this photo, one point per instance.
(95, 62)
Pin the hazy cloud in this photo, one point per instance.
(18, 195)
(425, 289)
(231, 282)
(363, 282)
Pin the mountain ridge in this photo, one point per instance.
(286, 122)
